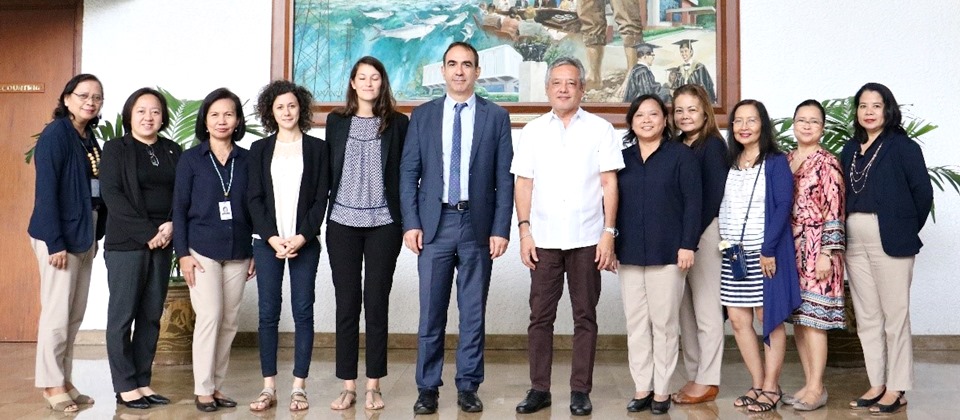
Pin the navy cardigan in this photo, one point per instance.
(62, 206)
(712, 155)
(901, 189)
(781, 294)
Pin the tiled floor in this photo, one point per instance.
(937, 386)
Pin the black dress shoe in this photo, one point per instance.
(580, 403)
(535, 401)
(426, 402)
(206, 407)
(225, 402)
(469, 401)
(637, 405)
(139, 403)
(156, 399)
(659, 407)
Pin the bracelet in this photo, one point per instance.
(826, 253)
(523, 222)
(526, 236)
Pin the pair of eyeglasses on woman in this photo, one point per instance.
(153, 156)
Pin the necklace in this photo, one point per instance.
(748, 163)
(93, 154)
(860, 177)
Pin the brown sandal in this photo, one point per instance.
(341, 402)
(372, 394)
(298, 400)
(62, 403)
(265, 401)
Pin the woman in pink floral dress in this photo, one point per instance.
(818, 232)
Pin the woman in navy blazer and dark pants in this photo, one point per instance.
(889, 197)
(288, 195)
(363, 223)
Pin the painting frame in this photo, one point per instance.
(728, 64)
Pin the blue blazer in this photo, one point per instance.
(491, 184)
(781, 294)
(901, 189)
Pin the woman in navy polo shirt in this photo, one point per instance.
(68, 219)
(658, 219)
(211, 237)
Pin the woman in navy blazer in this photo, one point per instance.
(889, 197)
(363, 224)
(68, 219)
(287, 189)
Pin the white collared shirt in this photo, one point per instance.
(467, 117)
(565, 165)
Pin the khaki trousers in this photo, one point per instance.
(651, 303)
(63, 301)
(880, 285)
(593, 22)
(701, 314)
(216, 300)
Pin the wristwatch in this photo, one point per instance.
(612, 230)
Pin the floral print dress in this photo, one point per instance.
(818, 226)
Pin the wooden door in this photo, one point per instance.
(39, 52)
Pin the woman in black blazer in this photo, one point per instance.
(363, 222)
(287, 194)
(137, 178)
(889, 197)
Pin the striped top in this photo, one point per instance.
(733, 208)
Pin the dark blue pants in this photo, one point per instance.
(303, 275)
(454, 247)
(137, 281)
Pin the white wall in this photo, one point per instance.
(789, 51)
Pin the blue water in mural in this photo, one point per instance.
(330, 35)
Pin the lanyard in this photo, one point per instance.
(225, 187)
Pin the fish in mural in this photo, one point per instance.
(433, 20)
(406, 33)
(467, 31)
(458, 19)
(378, 14)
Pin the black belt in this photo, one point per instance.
(459, 206)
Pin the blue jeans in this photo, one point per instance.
(303, 275)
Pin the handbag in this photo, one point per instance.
(735, 254)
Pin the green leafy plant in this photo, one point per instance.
(838, 128)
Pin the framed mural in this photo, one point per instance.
(628, 47)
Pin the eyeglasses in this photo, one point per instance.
(153, 156)
(752, 122)
(815, 123)
(97, 99)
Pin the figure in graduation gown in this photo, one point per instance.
(693, 72)
(640, 80)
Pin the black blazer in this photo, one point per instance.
(128, 224)
(901, 189)
(391, 148)
(314, 184)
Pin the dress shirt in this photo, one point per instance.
(467, 117)
(196, 210)
(565, 163)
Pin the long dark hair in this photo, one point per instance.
(269, 94)
(62, 111)
(767, 143)
(709, 128)
(892, 118)
(630, 138)
(383, 106)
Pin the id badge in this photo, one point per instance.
(225, 211)
(95, 188)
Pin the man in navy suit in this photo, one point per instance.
(456, 195)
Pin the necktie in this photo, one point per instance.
(453, 191)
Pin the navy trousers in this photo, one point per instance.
(453, 248)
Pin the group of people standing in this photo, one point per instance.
(698, 229)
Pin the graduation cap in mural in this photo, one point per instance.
(685, 43)
(645, 48)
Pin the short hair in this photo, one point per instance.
(814, 103)
(629, 138)
(709, 128)
(767, 143)
(216, 95)
(566, 61)
(270, 93)
(385, 104)
(62, 111)
(127, 112)
(476, 55)
(892, 118)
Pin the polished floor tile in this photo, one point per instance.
(506, 382)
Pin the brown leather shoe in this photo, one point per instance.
(710, 395)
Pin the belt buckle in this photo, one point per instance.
(461, 205)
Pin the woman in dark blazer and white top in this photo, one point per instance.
(889, 197)
(137, 180)
(363, 223)
(288, 195)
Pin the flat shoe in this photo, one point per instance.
(139, 403)
(709, 395)
(62, 403)
(880, 409)
(341, 402)
(373, 394)
(156, 399)
(763, 406)
(79, 398)
(298, 400)
(265, 401)
(206, 407)
(820, 402)
(637, 405)
(225, 402)
(745, 400)
(861, 403)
